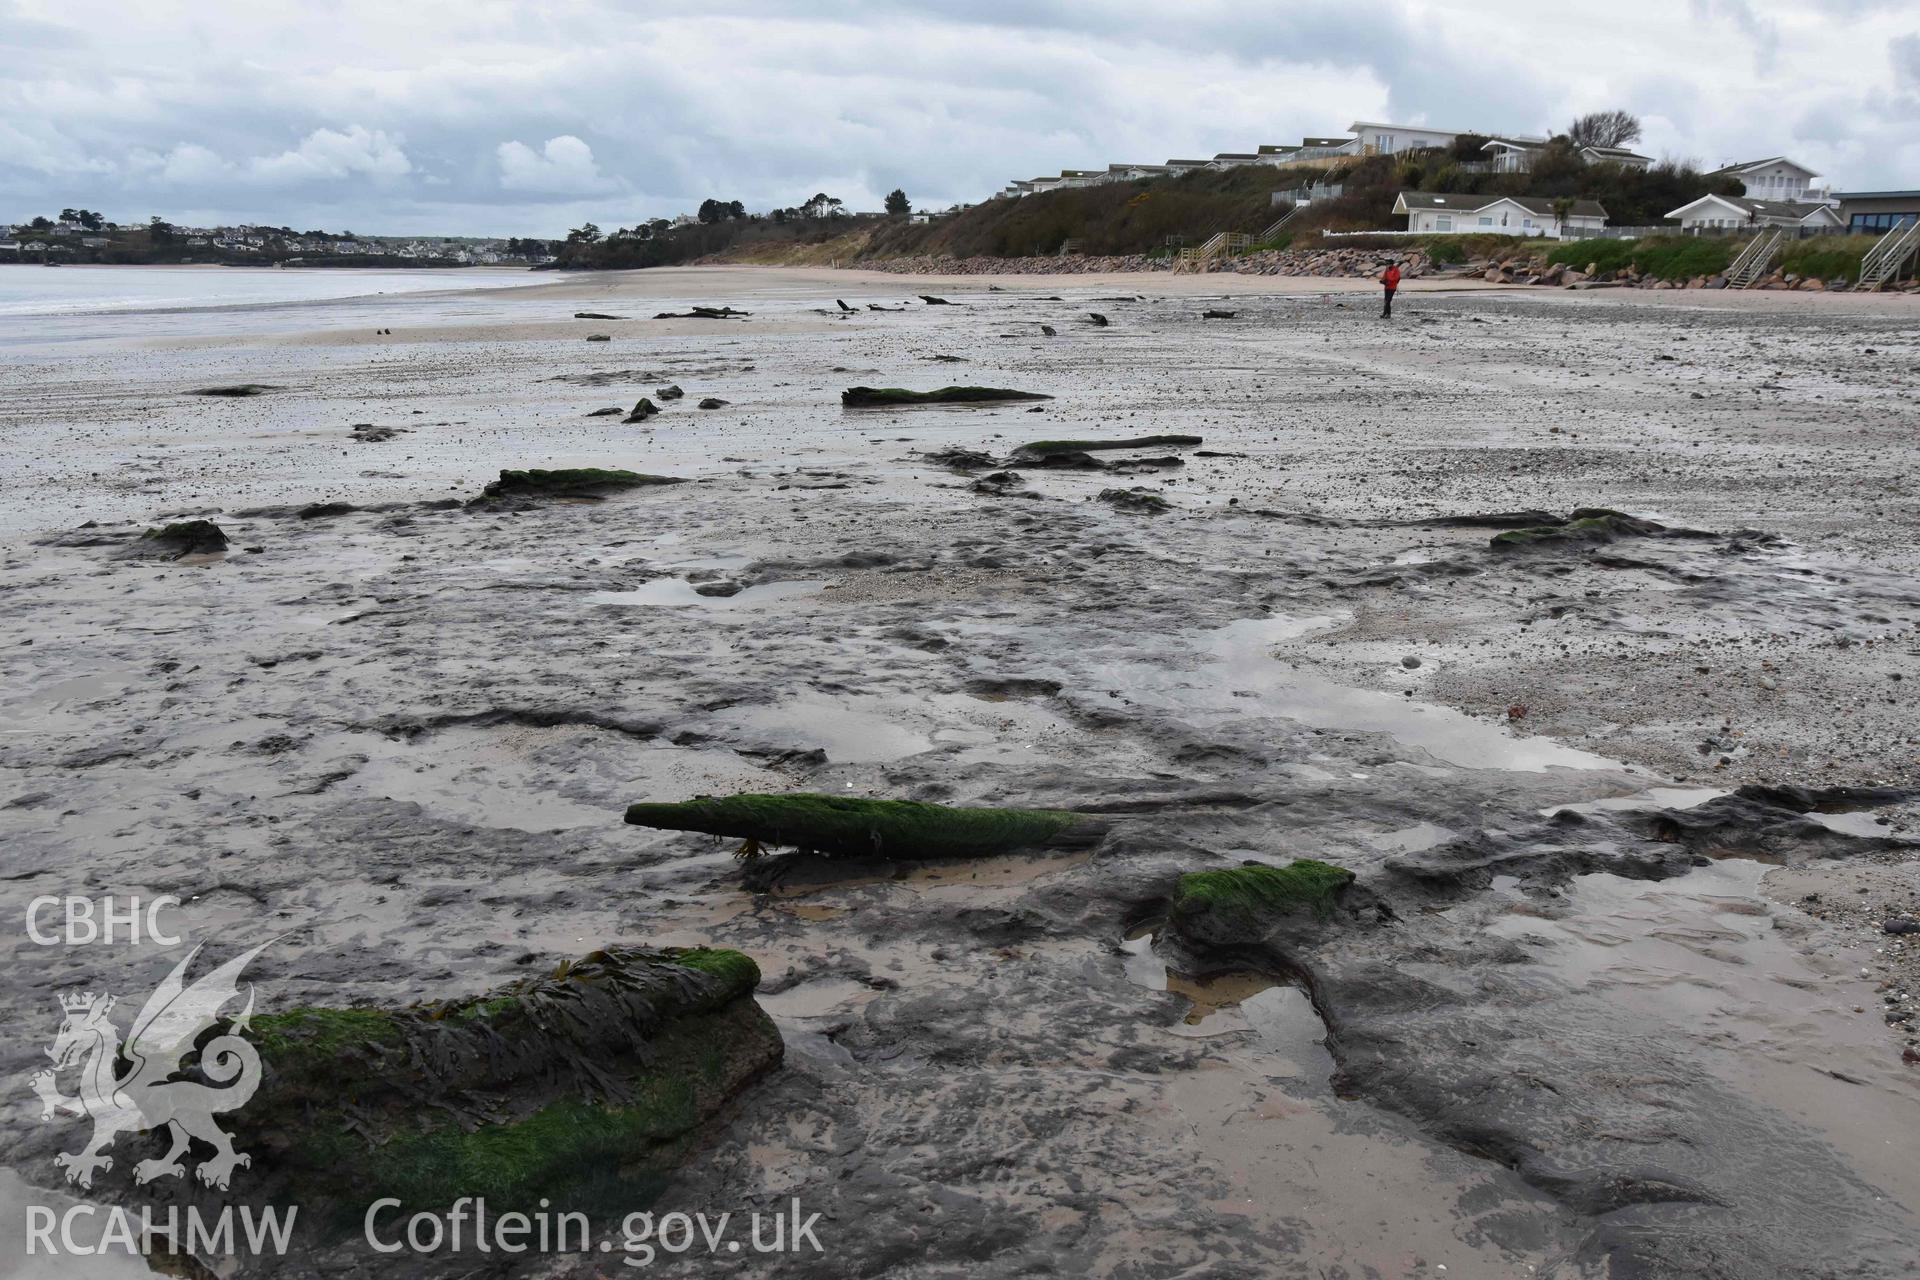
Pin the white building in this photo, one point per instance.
(1498, 215)
(1621, 156)
(1745, 211)
(1516, 154)
(1777, 178)
(1371, 137)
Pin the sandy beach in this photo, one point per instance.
(1630, 802)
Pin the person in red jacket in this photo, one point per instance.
(1389, 281)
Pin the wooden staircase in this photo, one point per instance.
(1278, 224)
(1751, 266)
(1199, 258)
(1884, 261)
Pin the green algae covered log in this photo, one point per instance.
(1038, 448)
(882, 397)
(847, 826)
(570, 482)
(585, 1087)
(1244, 894)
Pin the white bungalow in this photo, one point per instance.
(1313, 148)
(1511, 154)
(1372, 137)
(1130, 172)
(1622, 156)
(1744, 211)
(1498, 215)
(1233, 159)
(1081, 177)
(1776, 178)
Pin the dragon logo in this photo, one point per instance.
(143, 1098)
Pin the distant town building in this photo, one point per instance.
(1506, 153)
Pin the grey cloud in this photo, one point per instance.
(1905, 52)
(525, 120)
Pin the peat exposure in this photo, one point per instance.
(1339, 799)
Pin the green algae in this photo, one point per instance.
(852, 827)
(315, 1035)
(588, 1082)
(1249, 892)
(877, 397)
(572, 1152)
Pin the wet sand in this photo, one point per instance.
(403, 737)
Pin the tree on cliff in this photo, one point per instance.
(897, 204)
(1604, 129)
(821, 206)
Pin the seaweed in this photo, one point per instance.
(1248, 892)
(883, 397)
(1042, 447)
(848, 826)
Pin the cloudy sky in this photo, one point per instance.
(522, 117)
